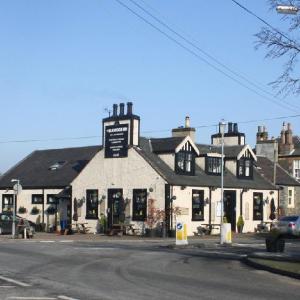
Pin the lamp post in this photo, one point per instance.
(287, 9)
(17, 189)
(222, 126)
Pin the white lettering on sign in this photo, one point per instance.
(119, 129)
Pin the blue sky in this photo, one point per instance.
(62, 62)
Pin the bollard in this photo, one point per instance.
(25, 233)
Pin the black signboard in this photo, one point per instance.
(116, 141)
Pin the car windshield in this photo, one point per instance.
(289, 219)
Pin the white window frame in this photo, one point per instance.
(291, 197)
(296, 169)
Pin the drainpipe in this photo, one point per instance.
(241, 202)
(209, 216)
(43, 215)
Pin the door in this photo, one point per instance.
(115, 207)
(230, 208)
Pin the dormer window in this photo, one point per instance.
(213, 165)
(185, 163)
(245, 168)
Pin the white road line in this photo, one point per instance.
(66, 241)
(47, 241)
(19, 283)
(66, 298)
(31, 298)
(7, 286)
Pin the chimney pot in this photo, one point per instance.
(235, 128)
(229, 127)
(115, 110)
(187, 122)
(121, 109)
(129, 108)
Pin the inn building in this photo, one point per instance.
(119, 180)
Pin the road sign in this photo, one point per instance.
(181, 233)
(17, 188)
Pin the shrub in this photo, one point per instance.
(22, 210)
(35, 211)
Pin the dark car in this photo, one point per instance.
(6, 221)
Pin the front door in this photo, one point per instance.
(230, 208)
(115, 207)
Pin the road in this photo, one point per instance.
(66, 269)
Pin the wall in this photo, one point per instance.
(169, 159)
(129, 173)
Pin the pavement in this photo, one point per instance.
(245, 247)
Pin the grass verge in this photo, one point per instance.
(285, 266)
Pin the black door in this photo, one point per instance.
(115, 207)
(230, 208)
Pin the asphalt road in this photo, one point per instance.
(49, 270)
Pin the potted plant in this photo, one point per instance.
(240, 224)
(35, 211)
(51, 210)
(22, 210)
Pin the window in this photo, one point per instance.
(92, 204)
(245, 168)
(185, 163)
(51, 199)
(257, 206)
(7, 202)
(297, 169)
(290, 197)
(57, 165)
(197, 205)
(37, 199)
(213, 165)
(139, 205)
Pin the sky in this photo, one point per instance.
(63, 63)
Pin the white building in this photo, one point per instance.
(141, 181)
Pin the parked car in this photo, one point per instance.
(6, 220)
(288, 226)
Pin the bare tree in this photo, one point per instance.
(279, 44)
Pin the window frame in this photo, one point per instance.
(143, 209)
(242, 163)
(211, 162)
(88, 202)
(291, 204)
(199, 218)
(188, 160)
(9, 205)
(260, 209)
(296, 169)
(37, 195)
(52, 196)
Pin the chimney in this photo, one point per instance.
(129, 108)
(115, 110)
(229, 127)
(262, 134)
(282, 134)
(289, 135)
(122, 109)
(185, 131)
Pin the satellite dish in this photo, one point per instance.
(17, 188)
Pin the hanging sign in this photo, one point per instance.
(181, 233)
(116, 141)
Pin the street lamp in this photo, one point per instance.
(222, 126)
(17, 188)
(287, 9)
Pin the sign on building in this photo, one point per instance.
(181, 233)
(116, 141)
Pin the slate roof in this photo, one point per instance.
(200, 179)
(229, 151)
(165, 145)
(266, 168)
(33, 171)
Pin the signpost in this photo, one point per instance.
(181, 233)
(116, 141)
(17, 189)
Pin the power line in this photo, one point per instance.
(199, 57)
(188, 41)
(152, 131)
(263, 21)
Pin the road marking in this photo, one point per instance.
(66, 241)
(66, 298)
(7, 286)
(47, 241)
(19, 283)
(31, 298)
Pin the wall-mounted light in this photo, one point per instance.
(206, 201)
(266, 201)
(183, 187)
(245, 190)
(271, 192)
(151, 190)
(173, 198)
